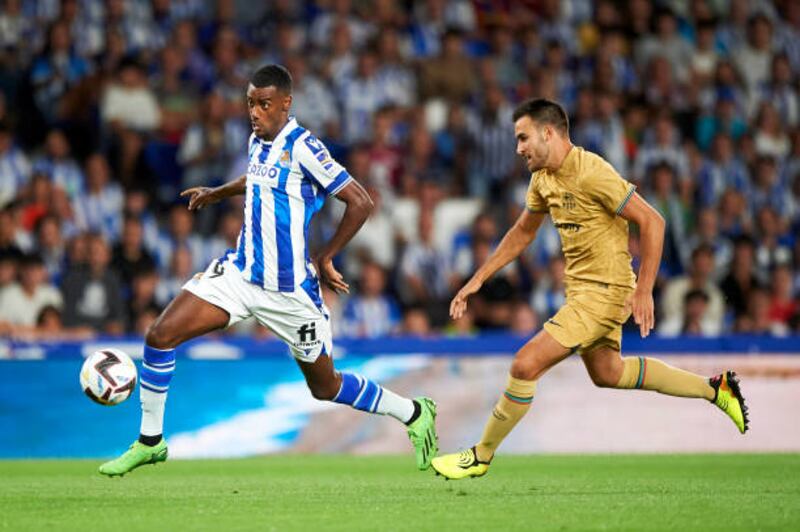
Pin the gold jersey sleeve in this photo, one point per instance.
(584, 198)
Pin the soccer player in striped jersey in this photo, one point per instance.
(270, 276)
(591, 205)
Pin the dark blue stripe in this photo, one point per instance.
(311, 287)
(257, 270)
(157, 356)
(262, 157)
(146, 387)
(349, 390)
(338, 182)
(155, 378)
(224, 256)
(378, 401)
(283, 219)
(368, 396)
(241, 257)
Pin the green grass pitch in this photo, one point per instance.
(293, 492)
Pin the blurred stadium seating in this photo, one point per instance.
(108, 109)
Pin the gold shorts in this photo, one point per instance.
(592, 317)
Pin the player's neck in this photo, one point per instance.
(559, 154)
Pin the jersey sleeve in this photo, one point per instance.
(317, 164)
(609, 188)
(533, 199)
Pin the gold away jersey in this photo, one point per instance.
(584, 197)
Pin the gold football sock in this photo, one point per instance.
(644, 373)
(513, 404)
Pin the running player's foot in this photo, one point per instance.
(460, 465)
(137, 455)
(422, 433)
(728, 397)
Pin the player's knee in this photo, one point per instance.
(524, 369)
(324, 391)
(160, 337)
(604, 379)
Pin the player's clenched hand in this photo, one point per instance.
(641, 306)
(332, 277)
(199, 197)
(459, 303)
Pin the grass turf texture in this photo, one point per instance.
(684, 492)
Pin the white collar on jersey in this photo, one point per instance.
(290, 126)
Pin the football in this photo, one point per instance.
(108, 376)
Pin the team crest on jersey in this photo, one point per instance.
(286, 158)
(569, 201)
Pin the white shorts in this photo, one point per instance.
(293, 316)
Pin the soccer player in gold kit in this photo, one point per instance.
(590, 205)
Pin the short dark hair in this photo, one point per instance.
(543, 111)
(272, 76)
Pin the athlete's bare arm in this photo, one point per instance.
(359, 207)
(514, 242)
(651, 232)
(199, 197)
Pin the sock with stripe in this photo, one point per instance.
(645, 373)
(512, 406)
(157, 369)
(368, 396)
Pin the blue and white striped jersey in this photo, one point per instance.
(288, 180)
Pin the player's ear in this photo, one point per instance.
(287, 102)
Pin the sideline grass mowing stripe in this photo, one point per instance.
(292, 492)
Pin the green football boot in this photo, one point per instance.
(728, 397)
(456, 466)
(137, 455)
(422, 433)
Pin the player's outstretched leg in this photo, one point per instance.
(419, 414)
(530, 363)
(608, 369)
(186, 317)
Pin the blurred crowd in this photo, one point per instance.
(108, 109)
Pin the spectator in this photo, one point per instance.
(360, 96)
(375, 241)
(524, 320)
(15, 168)
(179, 233)
(21, 302)
(50, 246)
(129, 255)
(128, 103)
(56, 70)
(758, 319)
(93, 296)
(451, 75)
(692, 320)
(144, 285)
(372, 312)
(180, 270)
(665, 147)
(783, 305)
(493, 158)
(741, 279)
(707, 234)
(754, 58)
(774, 246)
(425, 275)
(99, 209)
(416, 323)
(58, 164)
(674, 300)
